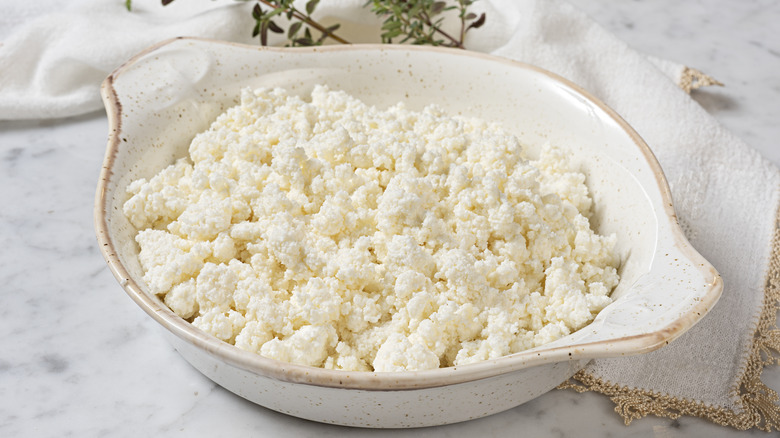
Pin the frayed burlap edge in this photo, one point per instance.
(758, 403)
(691, 79)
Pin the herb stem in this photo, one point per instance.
(455, 43)
(306, 19)
(462, 23)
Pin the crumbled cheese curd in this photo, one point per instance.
(334, 234)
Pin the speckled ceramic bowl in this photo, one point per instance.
(161, 98)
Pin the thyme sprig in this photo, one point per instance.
(299, 19)
(412, 21)
(421, 22)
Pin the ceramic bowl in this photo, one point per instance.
(158, 100)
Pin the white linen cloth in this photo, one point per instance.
(54, 57)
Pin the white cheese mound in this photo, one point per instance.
(333, 234)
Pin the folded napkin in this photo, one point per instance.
(726, 195)
(53, 64)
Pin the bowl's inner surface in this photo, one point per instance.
(177, 90)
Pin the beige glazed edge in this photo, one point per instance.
(158, 100)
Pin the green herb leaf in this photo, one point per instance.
(304, 42)
(293, 30)
(392, 33)
(275, 12)
(274, 27)
(391, 25)
(264, 33)
(477, 24)
(311, 5)
(437, 7)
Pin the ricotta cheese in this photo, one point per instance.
(334, 234)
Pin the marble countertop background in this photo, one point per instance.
(79, 358)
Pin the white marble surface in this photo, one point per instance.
(78, 358)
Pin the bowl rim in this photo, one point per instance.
(402, 380)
